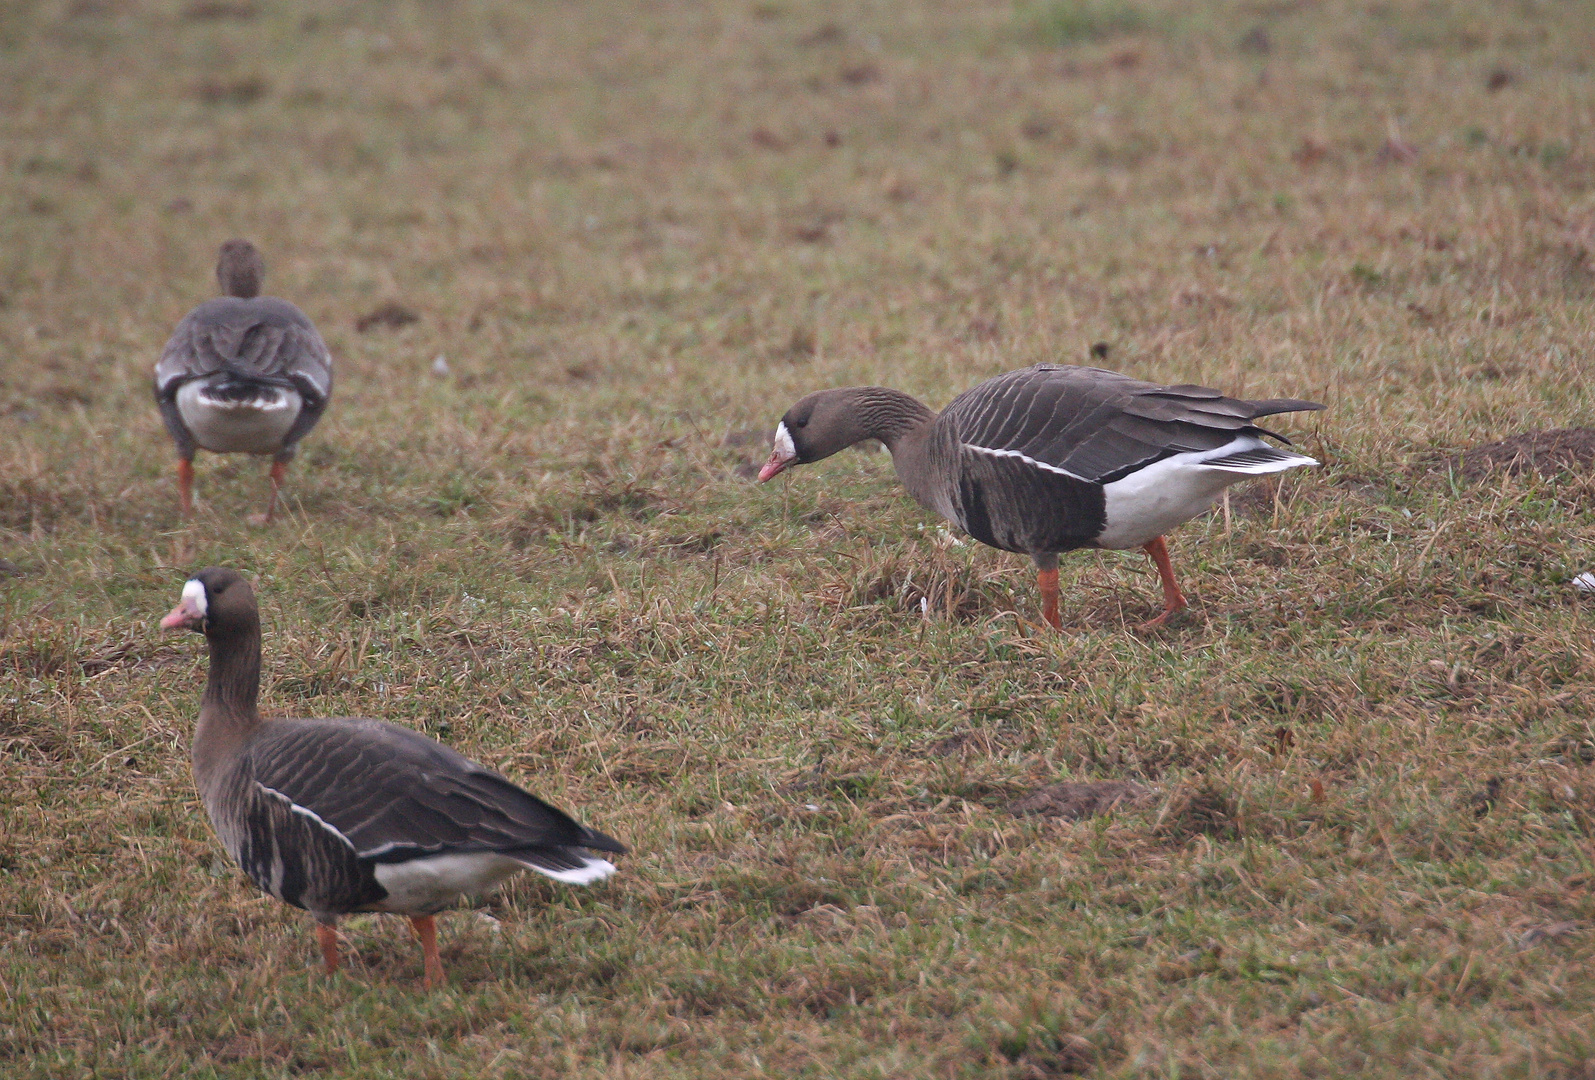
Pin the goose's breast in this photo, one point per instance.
(231, 417)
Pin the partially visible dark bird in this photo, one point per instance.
(242, 374)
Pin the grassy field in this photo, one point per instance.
(637, 232)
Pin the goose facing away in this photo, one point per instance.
(342, 815)
(1053, 458)
(242, 374)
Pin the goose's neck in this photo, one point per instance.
(895, 418)
(904, 424)
(227, 713)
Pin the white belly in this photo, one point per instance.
(224, 425)
(1151, 501)
(426, 885)
(429, 884)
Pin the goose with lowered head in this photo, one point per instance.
(343, 815)
(1054, 458)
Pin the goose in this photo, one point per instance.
(1052, 458)
(342, 815)
(242, 374)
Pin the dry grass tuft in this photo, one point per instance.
(389, 315)
(1203, 810)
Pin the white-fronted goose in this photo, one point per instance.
(342, 815)
(1053, 458)
(242, 374)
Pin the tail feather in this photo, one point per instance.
(1271, 406)
(1259, 461)
(573, 866)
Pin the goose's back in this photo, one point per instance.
(264, 338)
(396, 793)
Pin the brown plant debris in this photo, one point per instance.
(1483, 800)
(390, 315)
(1555, 931)
(1075, 800)
(231, 91)
(214, 10)
(1064, 1055)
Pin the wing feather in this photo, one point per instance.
(397, 794)
(266, 338)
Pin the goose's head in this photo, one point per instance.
(240, 269)
(216, 598)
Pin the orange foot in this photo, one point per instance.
(1173, 599)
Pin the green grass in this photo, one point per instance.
(635, 230)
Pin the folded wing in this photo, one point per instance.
(1100, 426)
(263, 339)
(398, 795)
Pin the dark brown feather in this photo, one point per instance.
(397, 794)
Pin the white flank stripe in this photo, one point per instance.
(380, 850)
(1026, 458)
(306, 812)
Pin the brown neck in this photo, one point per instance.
(892, 416)
(228, 713)
(904, 424)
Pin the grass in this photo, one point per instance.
(637, 232)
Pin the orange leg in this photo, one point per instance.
(1173, 599)
(426, 928)
(185, 486)
(1048, 581)
(328, 936)
(279, 469)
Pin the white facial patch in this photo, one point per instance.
(194, 594)
(783, 442)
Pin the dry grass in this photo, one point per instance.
(638, 231)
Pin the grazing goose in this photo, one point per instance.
(242, 374)
(344, 815)
(1053, 458)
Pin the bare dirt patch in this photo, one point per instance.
(1547, 453)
